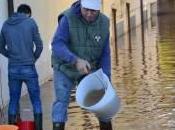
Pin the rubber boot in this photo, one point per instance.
(18, 118)
(58, 125)
(105, 125)
(38, 121)
(12, 119)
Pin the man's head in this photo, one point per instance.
(90, 9)
(23, 8)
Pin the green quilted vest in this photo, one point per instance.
(86, 41)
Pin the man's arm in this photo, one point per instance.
(106, 59)
(3, 49)
(61, 41)
(37, 41)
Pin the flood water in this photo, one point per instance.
(145, 79)
(144, 76)
(93, 97)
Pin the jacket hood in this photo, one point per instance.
(16, 18)
(76, 8)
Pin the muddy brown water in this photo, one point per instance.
(93, 97)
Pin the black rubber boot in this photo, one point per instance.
(105, 125)
(12, 119)
(58, 125)
(18, 118)
(38, 121)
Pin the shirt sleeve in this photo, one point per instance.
(3, 49)
(37, 41)
(106, 59)
(61, 41)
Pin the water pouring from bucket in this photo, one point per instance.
(96, 94)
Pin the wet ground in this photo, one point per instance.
(144, 76)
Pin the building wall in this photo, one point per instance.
(120, 6)
(121, 12)
(166, 6)
(3, 60)
(45, 13)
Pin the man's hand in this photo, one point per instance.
(83, 66)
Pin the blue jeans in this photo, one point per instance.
(62, 86)
(17, 75)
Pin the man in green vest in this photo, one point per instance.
(80, 46)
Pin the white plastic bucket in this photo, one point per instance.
(97, 85)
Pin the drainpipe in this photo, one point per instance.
(114, 22)
(129, 25)
(10, 7)
(142, 20)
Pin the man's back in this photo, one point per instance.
(19, 32)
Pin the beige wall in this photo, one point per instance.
(3, 61)
(120, 6)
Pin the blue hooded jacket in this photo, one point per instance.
(61, 41)
(20, 40)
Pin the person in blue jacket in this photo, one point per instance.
(80, 46)
(20, 42)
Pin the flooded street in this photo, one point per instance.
(145, 78)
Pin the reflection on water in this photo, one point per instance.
(145, 80)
